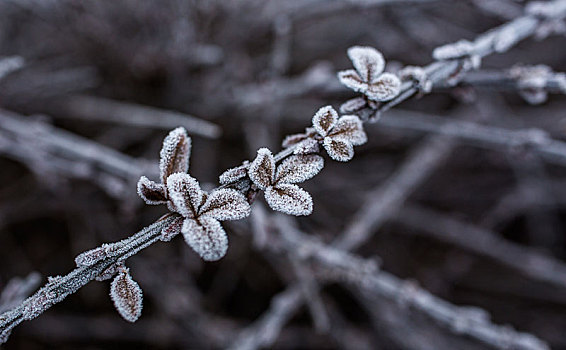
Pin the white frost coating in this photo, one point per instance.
(350, 128)
(226, 204)
(340, 140)
(386, 87)
(324, 120)
(352, 80)
(126, 295)
(262, 169)
(175, 153)
(151, 192)
(299, 168)
(339, 149)
(233, 174)
(368, 62)
(289, 199)
(307, 146)
(368, 77)
(185, 193)
(458, 49)
(280, 194)
(353, 105)
(109, 272)
(174, 228)
(90, 257)
(208, 239)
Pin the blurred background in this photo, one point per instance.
(89, 89)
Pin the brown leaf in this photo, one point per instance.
(289, 199)
(226, 204)
(262, 169)
(324, 120)
(126, 295)
(299, 168)
(185, 194)
(151, 192)
(350, 128)
(175, 153)
(207, 237)
(339, 149)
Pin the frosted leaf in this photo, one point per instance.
(208, 239)
(226, 204)
(386, 87)
(91, 257)
(126, 295)
(296, 138)
(368, 62)
(109, 272)
(350, 128)
(339, 149)
(262, 169)
(234, 174)
(296, 169)
(353, 105)
(173, 229)
(351, 79)
(175, 153)
(185, 194)
(324, 120)
(458, 49)
(307, 146)
(291, 140)
(289, 199)
(151, 192)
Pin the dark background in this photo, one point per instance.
(259, 70)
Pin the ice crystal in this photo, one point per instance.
(368, 77)
(173, 158)
(126, 295)
(280, 193)
(292, 140)
(225, 204)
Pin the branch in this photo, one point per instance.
(60, 287)
(100, 109)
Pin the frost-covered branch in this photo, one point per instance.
(333, 264)
(60, 287)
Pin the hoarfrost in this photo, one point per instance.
(126, 295)
(175, 153)
(185, 194)
(206, 237)
(368, 77)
